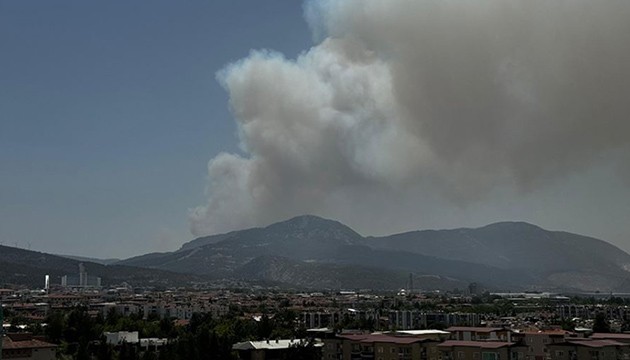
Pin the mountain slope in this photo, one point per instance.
(508, 245)
(300, 238)
(337, 276)
(89, 259)
(554, 255)
(508, 255)
(25, 267)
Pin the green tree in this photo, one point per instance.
(304, 350)
(600, 324)
(54, 329)
(264, 327)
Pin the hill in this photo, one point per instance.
(507, 256)
(337, 276)
(304, 238)
(90, 259)
(559, 258)
(26, 267)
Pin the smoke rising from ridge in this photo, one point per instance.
(449, 97)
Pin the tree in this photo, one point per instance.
(265, 327)
(304, 350)
(600, 324)
(54, 329)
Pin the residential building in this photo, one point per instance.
(480, 350)
(589, 349)
(268, 349)
(120, 337)
(27, 347)
(477, 333)
(413, 319)
(620, 337)
(536, 342)
(380, 346)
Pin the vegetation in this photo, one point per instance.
(80, 335)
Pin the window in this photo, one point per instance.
(594, 354)
(489, 356)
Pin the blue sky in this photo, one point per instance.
(110, 112)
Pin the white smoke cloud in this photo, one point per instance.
(454, 97)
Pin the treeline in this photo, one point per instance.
(79, 335)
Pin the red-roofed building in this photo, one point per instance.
(25, 346)
(380, 347)
(269, 349)
(536, 341)
(589, 349)
(621, 337)
(480, 350)
(477, 333)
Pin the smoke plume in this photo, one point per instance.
(446, 97)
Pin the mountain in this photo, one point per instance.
(26, 267)
(559, 258)
(337, 276)
(304, 238)
(309, 251)
(90, 259)
(312, 252)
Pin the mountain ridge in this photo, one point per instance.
(28, 267)
(509, 254)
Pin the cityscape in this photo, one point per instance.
(315, 180)
(88, 320)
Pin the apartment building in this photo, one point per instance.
(536, 342)
(477, 333)
(413, 319)
(589, 349)
(379, 346)
(27, 347)
(480, 350)
(268, 349)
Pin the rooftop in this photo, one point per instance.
(595, 343)
(382, 338)
(474, 328)
(610, 336)
(268, 344)
(477, 344)
(24, 342)
(423, 332)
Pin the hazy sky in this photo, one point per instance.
(130, 127)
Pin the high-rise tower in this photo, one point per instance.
(83, 276)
